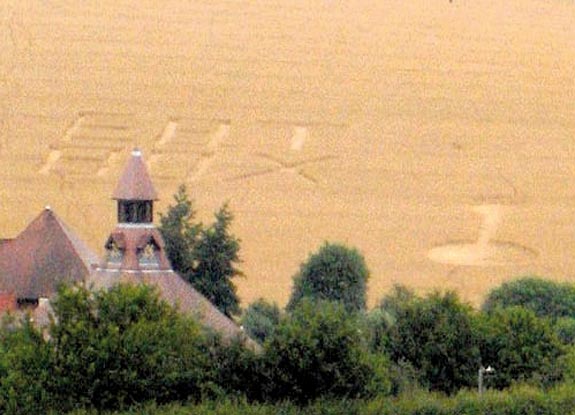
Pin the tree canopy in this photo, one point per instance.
(216, 256)
(260, 319)
(544, 297)
(180, 233)
(106, 349)
(436, 335)
(206, 256)
(520, 346)
(334, 273)
(315, 352)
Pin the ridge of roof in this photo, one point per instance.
(135, 182)
(44, 254)
(85, 253)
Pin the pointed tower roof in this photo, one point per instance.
(45, 254)
(135, 182)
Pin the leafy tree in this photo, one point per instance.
(567, 363)
(122, 346)
(260, 319)
(237, 370)
(25, 377)
(545, 298)
(565, 329)
(520, 346)
(437, 337)
(205, 256)
(316, 352)
(377, 327)
(380, 320)
(216, 254)
(334, 273)
(393, 303)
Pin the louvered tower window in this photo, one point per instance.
(135, 211)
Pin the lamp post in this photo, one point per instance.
(480, 373)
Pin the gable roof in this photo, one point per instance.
(175, 291)
(135, 182)
(45, 254)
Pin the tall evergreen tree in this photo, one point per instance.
(180, 233)
(216, 254)
(205, 256)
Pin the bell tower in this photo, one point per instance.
(136, 254)
(136, 245)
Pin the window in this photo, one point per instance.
(114, 253)
(148, 255)
(135, 211)
(27, 303)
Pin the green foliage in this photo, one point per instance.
(205, 256)
(260, 319)
(378, 325)
(334, 273)
(436, 336)
(25, 378)
(520, 346)
(404, 378)
(317, 352)
(237, 370)
(545, 298)
(565, 329)
(121, 346)
(522, 400)
(216, 254)
(180, 233)
(567, 364)
(395, 302)
(380, 320)
(107, 349)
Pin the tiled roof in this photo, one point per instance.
(45, 254)
(177, 292)
(135, 182)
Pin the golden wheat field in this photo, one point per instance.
(437, 137)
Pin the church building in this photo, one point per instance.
(48, 252)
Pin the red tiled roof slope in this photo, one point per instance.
(135, 182)
(176, 292)
(45, 254)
